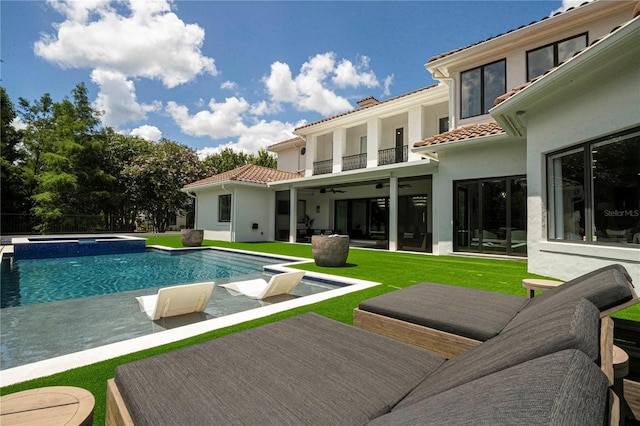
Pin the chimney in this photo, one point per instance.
(367, 102)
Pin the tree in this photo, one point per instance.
(158, 176)
(265, 159)
(14, 192)
(228, 159)
(65, 148)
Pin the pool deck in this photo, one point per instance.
(121, 311)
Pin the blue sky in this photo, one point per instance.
(244, 74)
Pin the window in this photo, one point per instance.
(480, 87)
(363, 144)
(443, 124)
(224, 208)
(544, 58)
(594, 191)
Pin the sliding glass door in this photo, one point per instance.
(490, 216)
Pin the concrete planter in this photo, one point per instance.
(192, 237)
(330, 250)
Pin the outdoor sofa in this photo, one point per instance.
(312, 370)
(449, 320)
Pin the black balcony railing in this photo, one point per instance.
(392, 155)
(352, 162)
(322, 167)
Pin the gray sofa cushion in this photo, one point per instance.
(472, 313)
(305, 369)
(564, 388)
(568, 327)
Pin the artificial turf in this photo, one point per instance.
(393, 270)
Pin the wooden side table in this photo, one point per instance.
(532, 284)
(55, 405)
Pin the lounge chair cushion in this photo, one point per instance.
(564, 388)
(568, 327)
(605, 288)
(301, 370)
(467, 312)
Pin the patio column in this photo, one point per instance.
(415, 130)
(374, 132)
(339, 144)
(293, 214)
(393, 213)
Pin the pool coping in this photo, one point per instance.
(102, 353)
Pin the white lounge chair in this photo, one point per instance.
(176, 300)
(261, 289)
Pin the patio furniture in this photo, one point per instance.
(55, 405)
(449, 320)
(312, 370)
(176, 300)
(532, 284)
(261, 289)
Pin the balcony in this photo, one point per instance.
(352, 162)
(393, 155)
(322, 167)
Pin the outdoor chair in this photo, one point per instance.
(261, 289)
(176, 300)
(449, 320)
(312, 370)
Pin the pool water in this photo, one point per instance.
(32, 281)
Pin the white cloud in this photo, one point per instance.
(117, 99)
(348, 74)
(150, 41)
(313, 88)
(222, 120)
(150, 133)
(255, 137)
(18, 124)
(388, 81)
(229, 85)
(567, 4)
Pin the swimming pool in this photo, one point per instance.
(32, 281)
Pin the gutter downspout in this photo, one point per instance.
(232, 230)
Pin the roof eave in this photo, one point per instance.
(429, 150)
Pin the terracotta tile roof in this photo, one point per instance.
(365, 107)
(469, 131)
(519, 88)
(287, 142)
(248, 173)
(451, 52)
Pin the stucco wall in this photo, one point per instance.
(478, 161)
(207, 215)
(594, 106)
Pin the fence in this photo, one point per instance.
(25, 224)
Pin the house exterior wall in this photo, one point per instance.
(207, 215)
(591, 107)
(505, 157)
(253, 205)
(291, 160)
(514, 50)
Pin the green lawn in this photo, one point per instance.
(393, 270)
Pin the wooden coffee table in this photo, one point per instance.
(532, 284)
(55, 405)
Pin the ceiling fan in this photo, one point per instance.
(324, 190)
(402, 185)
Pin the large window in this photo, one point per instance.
(480, 87)
(544, 58)
(224, 208)
(594, 191)
(491, 216)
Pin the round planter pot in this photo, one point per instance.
(330, 250)
(192, 237)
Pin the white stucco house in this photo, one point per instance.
(529, 145)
